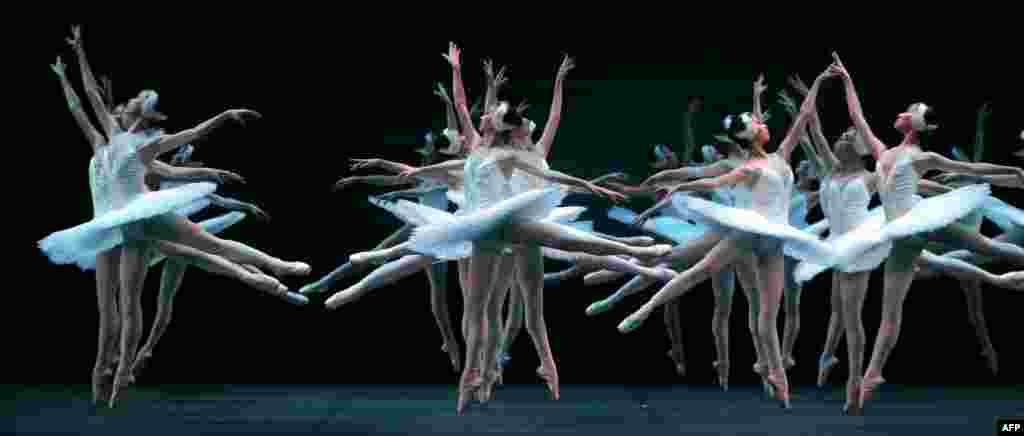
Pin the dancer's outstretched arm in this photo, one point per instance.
(372, 180)
(689, 140)
(805, 141)
(176, 173)
(759, 88)
(383, 164)
(165, 143)
(414, 192)
(453, 57)
(555, 116)
(856, 111)
(92, 90)
(564, 179)
(449, 108)
(494, 83)
(797, 130)
(436, 171)
(233, 204)
(966, 271)
(927, 161)
(689, 173)
(75, 105)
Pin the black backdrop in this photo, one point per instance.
(320, 94)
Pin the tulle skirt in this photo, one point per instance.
(79, 245)
(448, 236)
(925, 216)
(669, 226)
(800, 244)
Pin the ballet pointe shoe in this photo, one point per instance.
(825, 364)
(468, 384)
(777, 378)
(868, 387)
(141, 361)
(678, 361)
(1012, 280)
(633, 322)
(102, 383)
(762, 370)
(550, 377)
(341, 298)
(453, 351)
(121, 381)
(292, 269)
(653, 252)
(722, 368)
(992, 359)
(788, 362)
(600, 307)
(312, 288)
(853, 406)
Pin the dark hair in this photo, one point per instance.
(735, 127)
(652, 154)
(926, 137)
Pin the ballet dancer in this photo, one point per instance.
(908, 218)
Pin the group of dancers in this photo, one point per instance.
(739, 213)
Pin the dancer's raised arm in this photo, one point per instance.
(75, 105)
(694, 105)
(449, 108)
(494, 83)
(561, 178)
(856, 111)
(555, 115)
(92, 89)
(453, 57)
(800, 123)
(759, 89)
(164, 143)
(812, 145)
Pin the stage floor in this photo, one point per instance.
(593, 410)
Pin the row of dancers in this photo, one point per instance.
(738, 215)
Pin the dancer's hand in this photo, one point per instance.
(255, 210)
(501, 79)
(58, 68)
(759, 86)
(798, 84)
(344, 183)
(984, 112)
(442, 93)
(405, 175)
(75, 41)
(243, 115)
(838, 68)
(453, 55)
(567, 65)
(615, 197)
(696, 104)
(787, 102)
(224, 176)
(364, 164)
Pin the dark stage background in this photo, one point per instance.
(322, 95)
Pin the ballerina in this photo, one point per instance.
(694, 240)
(106, 278)
(139, 219)
(763, 229)
(898, 171)
(174, 269)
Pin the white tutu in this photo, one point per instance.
(448, 236)
(80, 244)
(926, 215)
(1004, 216)
(121, 198)
(213, 226)
(802, 245)
(867, 261)
(670, 227)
